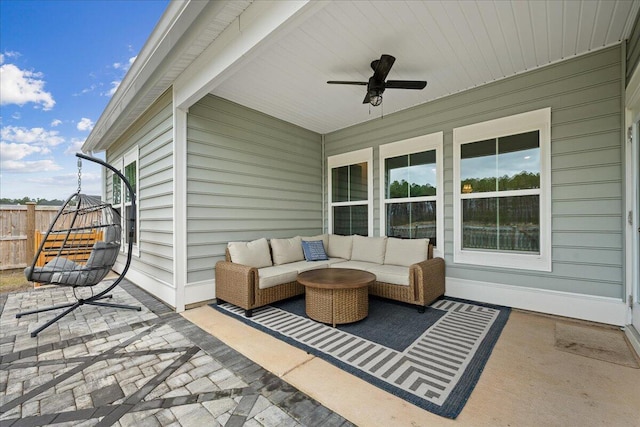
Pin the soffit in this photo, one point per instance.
(453, 45)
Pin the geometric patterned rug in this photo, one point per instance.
(436, 369)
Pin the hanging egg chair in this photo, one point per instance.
(80, 248)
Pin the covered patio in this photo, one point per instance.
(232, 134)
(202, 368)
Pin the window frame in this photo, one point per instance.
(537, 120)
(433, 141)
(121, 164)
(339, 160)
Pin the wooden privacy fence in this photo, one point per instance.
(18, 226)
(76, 247)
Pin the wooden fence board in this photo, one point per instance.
(13, 233)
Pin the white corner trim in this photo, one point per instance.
(611, 311)
(179, 205)
(204, 290)
(634, 338)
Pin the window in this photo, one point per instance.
(351, 193)
(502, 192)
(128, 166)
(411, 194)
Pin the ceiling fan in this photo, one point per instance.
(377, 84)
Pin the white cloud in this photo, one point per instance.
(124, 67)
(56, 122)
(84, 91)
(85, 124)
(114, 87)
(75, 146)
(59, 186)
(29, 166)
(11, 54)
(33, 136)
(22, 86)
(13, 151)
(16, 115)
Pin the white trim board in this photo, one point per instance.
(158, 288)
(611, 311)
(634, 338)
(196, 292)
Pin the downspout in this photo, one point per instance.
(322, 149)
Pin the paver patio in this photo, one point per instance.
(103, 366)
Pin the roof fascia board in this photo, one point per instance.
(261, 24)
(177, 19)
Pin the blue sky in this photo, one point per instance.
(60, 63)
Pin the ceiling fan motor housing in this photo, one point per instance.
(375, 87)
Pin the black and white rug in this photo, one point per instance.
(432, 359)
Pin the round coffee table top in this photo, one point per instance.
(336, 278)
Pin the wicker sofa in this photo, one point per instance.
(258, 273)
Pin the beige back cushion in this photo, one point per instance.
(254, 254)
(285, 251)
(406, 251)
(323, 237)
(340, 246)
(369, 249)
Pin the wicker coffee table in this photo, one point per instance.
(336, 295)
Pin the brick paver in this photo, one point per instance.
(104, 366)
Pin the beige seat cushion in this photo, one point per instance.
(358, 265)
(285, 251)
(406, 251)
(269, 277)
(340, 246)
(368, 249)
(254, 254)
(301, 266)
(394, 274)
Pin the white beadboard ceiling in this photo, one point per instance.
(454, 45)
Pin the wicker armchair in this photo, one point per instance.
(426, 284)
(238, 285)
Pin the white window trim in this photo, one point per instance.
(433, 141)
(534, 120)
(353, 157)
(129, 157)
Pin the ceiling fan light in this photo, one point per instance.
(375, 100)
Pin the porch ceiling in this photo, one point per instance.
(453, 45)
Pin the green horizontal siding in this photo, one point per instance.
(585, 97)
(249, 175)
(153, 134)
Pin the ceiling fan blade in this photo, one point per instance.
(367, 99)
(381, 67)
(339, 82)
(405, 84)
